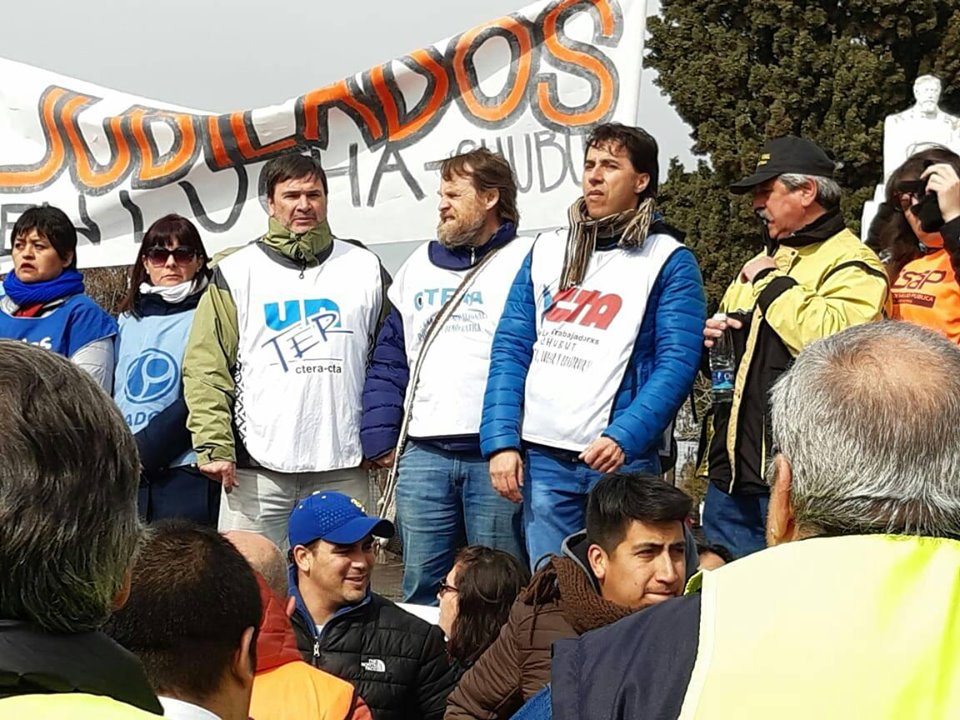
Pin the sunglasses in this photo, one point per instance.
(182, 255)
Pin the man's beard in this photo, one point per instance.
(461, 233)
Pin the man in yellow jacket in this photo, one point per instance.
(814, 279)
(852, 610)
(68, 531)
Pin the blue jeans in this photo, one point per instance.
(444, 500)
(738, 522)
(555, 491)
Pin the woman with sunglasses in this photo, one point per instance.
(922, 235)
(475, 600)
(166, 283)
(44, 302)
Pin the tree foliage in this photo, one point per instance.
(742, 71)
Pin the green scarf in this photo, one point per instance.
(304, 249)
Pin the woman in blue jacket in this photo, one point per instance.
(44, 302)
(166, 283)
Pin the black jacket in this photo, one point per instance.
(36, 662)
(397, 662)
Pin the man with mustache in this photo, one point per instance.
(443, 491)
(276, 358)
(597, 347)
(815, 279)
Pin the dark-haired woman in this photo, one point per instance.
(475, 600)
(44, 302)
(166, 282)
(924, 192)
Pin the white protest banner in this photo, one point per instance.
(528, 85)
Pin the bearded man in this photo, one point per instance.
(435, 344)
(597, 345)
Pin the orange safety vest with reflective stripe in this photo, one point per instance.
(926, 293)
(791, 633)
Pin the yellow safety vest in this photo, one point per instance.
(844, 627)
(75, 706)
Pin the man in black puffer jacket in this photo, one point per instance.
(397, 662)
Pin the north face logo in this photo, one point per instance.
(374, 665)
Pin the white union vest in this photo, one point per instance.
(449, 395)
(302, 358)
(585, 337)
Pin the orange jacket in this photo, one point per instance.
(285, 687)
(926, 293)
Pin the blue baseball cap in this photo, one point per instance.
(336, 518)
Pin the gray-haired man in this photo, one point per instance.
(814, 279)
(858, 619)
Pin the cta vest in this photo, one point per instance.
(72, 326)
(585, 337)
(846, 627)
(149, 373)
(449, 395)
(304, 343)
(926, 293)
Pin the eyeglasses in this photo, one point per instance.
(444, 588)
(182, 255)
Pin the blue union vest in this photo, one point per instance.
(149, 374)
(72, 326)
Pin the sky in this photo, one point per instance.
(222, 56)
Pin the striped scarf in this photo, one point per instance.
(631, 225)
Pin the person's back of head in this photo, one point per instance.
(192, 618)
(867, 427)
(636, 541)
(264, 557)
(68, 481)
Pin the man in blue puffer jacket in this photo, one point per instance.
(597, 347)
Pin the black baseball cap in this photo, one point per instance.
(789, 154)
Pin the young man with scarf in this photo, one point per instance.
(632, 555)
(276, 359)
(815, 279)
(443, 489)
(597, 347)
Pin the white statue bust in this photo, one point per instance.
(918, 127)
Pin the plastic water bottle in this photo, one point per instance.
(723, 365)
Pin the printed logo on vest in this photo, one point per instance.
(909, 280)
(431, 297)
(45, 343)
(151, 376)
(302, 330)
(588, 308)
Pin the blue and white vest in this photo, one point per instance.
(585, 337)
(149, 374)
(69, 328)
(305, 338)
(449, 394)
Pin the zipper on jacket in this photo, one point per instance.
(316, 652)
(473, 258)
(303, 268)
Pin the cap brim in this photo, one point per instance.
(358, 528)
(741, 187)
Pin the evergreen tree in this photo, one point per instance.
(742, 71)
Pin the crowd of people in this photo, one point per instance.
(200, 546)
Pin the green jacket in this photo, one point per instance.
(211, 355)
